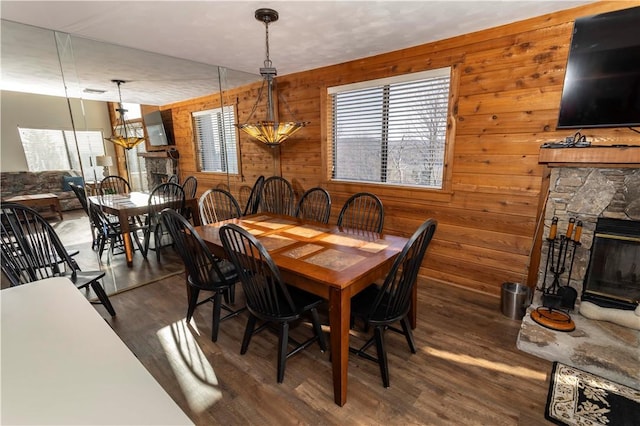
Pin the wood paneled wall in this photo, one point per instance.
(508, 95)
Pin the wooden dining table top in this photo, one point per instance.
(324, 254)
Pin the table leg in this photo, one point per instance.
(123, 217)
(339, 314)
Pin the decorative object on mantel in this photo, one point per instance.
(557, 299)
(105, 162)
(270, 131)
(580, 398)
(123, 133)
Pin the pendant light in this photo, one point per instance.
(269, 131)
(123, 133)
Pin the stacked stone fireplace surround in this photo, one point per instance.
(600, 347)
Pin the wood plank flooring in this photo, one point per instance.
(467, 369)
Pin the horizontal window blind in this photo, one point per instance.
(216, 140)
(391, 133)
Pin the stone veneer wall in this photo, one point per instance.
(29, 183)
(586, 194)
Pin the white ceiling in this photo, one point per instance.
(200, 35)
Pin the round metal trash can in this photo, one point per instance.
(514, 300)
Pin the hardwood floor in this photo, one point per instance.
(467, 369)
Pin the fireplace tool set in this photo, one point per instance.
(557, 299)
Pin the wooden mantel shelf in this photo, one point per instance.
(154, 154)
(594, 156)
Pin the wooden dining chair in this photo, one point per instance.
(268, 298)
(32, 251)
(204, 271)
(315, 204)
(190, 186)
(253, 202)
(363, 212)
(114, 185)
(277, 196)
(382, 306)
(165, 195)
(216, 205)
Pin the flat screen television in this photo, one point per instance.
(602, 80)
(155, 129)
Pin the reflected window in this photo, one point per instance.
(216, 140)
(51, 149)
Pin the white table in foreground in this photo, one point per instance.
(62, 364)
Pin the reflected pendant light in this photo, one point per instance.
(123, 133)
(270, 131)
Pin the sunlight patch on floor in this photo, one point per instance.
(192, 370)
(485, 363)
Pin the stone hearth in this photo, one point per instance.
(599, 347)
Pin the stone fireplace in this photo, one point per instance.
(159, 168)
(587, 194)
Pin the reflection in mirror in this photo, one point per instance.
(32, 62)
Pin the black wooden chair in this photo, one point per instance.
(315, 204)
(190, 187)
(110, 231)
(205, 271)
(277, 196)
(363, 212)
(32, 251)
(268, 298)
(253, 202)
(216, 205)
(169, 195)
(114, 185)
(81, 195)
(382, 306)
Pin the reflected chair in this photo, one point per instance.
(363, 212)
(82, 197)
(382, 306)
(108, 230)
(32, 251)
(216, 205)
(114, 185)
(190, 187)
(315, 204)
(173, 179)
(165, 195)
(277, 196)
(205, 271)
(268, 298)
(253, 202)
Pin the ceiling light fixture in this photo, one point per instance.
(270, 131)
(123, 133)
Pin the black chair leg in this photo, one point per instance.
(283, 340)
(248, 332)
(317, 328)
(215, 324)
(102, 296)
(382, 355)
(193, 302)
(408, 334)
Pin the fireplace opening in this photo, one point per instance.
(613, 274)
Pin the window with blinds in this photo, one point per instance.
(51, 149)
(216, 142)
(391, 130)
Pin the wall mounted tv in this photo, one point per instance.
(602, 80)
(156, 130)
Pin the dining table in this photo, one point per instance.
(62, 364)
(329, 261)
(133, 204)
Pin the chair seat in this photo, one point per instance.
(227, 270)
(84, 278)
(361, 306)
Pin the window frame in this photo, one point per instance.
(393, 190)
(228, 127)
